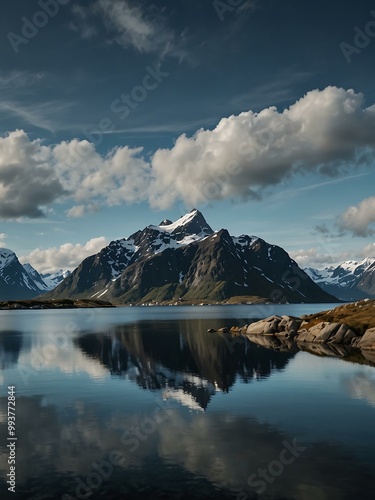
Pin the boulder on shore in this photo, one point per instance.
(367, 341)
(326, 327)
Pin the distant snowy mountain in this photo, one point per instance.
(45, 282)
(351, 280)
(21, 282)
(51, 280)
(36, 277)
(16, 282)
(187, 259)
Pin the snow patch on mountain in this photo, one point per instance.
(53, 279)
(347, 278)
(185, 220)
(6, 257)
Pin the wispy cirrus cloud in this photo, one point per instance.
(82, 22)
(18, 78)
(281, 90)
(16, 87)
(172, 127)
(41, 115)
(292, 193)
(131, 25)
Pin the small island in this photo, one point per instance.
(54, 304)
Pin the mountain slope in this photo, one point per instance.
(187, 259)
(351, 280)
(51, 280)
(45, 282)
(16, 283)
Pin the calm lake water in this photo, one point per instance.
(143, 403)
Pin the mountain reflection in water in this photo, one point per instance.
(186, 363)
(231, 407)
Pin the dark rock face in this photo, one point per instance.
(187, 259)
(15, 282)
(166, 222)
(22, 282)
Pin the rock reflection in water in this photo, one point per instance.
(347, 353)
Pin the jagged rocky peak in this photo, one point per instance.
(186, 260)
(190, 223)
(165, 222)
(6, 256)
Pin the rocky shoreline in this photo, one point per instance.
(350, 325)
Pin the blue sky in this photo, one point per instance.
(117, 114)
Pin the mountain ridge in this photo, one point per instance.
(22, 282)
(350, 280)
(187, 260)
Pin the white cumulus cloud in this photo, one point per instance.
(121, 176)
(312, 257)
(368, 251)
(66, 256)
(78, 211)
(3, 237)
(28, 182)
(359, 219)
(326, 132)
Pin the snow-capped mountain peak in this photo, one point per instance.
(192, 223)
(186, 260)
(350, 280)
(16, 281)
(36, 277)
(355, 267)
(6, 257)
(190, 228)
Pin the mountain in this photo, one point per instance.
(351, 280)
(45, 282)
(36, 277)
(16, 282)
(187, 260)
(51, 280)
(22, 282)
(189, 367)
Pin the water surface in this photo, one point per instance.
(142, 402)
